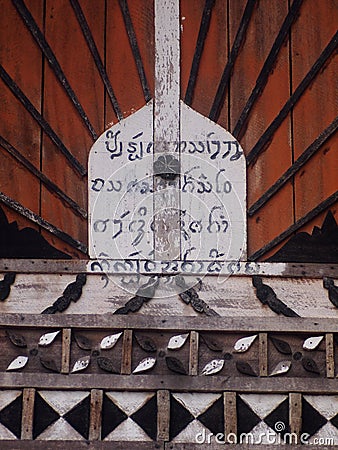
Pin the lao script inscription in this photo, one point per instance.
(211, 189)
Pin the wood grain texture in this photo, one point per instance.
(312, 32)
(143, 383)
(295, 270)
(263, 354)
(65, 35)
(230, 413)
(229, 297)
(329, 344)
(278, 214)
(295, 413)
(120, 63)
(193, 353)
(96, 400)
(163, 415)
(27, 414)
(126, 352)
(61, 445)
(65, 356)
(17, 52)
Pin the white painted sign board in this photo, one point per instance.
(135, 214)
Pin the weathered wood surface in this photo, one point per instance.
(78, 445)
(304, 270)
(169, 382)
(228, 296)
(225, 324)
(214, 446)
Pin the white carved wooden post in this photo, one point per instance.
(167, 183)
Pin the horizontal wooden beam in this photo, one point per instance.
(175, 383)
(78, 445)
(224, 324)
(215, 446)
(304, 270)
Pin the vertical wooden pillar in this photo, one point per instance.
(329, 355)
(230, 413)
(127, 346)
(28, 398)
(96, 400)
(163, 415)
(295, 413)
(193, 353)
(166, 126)
(263, 354)
(66, 343)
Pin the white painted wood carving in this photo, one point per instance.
(138, 213)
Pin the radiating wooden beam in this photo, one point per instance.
(52, 187)
(294, 227)
(296, 166)
(18, 93)
(240, 36)
(96, 56)
(266, 137)
(35, 218)
(53, 62)
(202, 34)
(135, 49)
(267, 67)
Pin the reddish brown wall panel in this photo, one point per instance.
(67, 41)
(120, 63)
(265, 23)
(22, 60)
(317, 108)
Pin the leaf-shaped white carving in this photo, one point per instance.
(48, 338)
(214, 366)
(282, 367)
(145, 364)
(109, 341)
(178, 341)
(18, 363)
(81, 364)
(312, 342)
(243, 344)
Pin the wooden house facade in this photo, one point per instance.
(134, 310)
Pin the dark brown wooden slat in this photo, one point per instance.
(304, 157)
(96, 56)
(295, 270)
(93, 445)
(172, 323)
(52, 187)
(35, 218)
(135, 49)
(267, 67)
(41, 121)
(220, 94)
(214, 446)
(204, 28)
(264, 140)
(53, 62)
(294, 227)
(168, 382)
